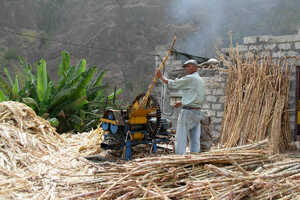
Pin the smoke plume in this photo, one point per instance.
(213, 19)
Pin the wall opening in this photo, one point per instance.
(297, 125)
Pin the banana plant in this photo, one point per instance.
(75, 99)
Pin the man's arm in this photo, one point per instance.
(181, 83)
(165, 80)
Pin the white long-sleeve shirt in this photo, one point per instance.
(192, 87)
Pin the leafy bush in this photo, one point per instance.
(73, 103)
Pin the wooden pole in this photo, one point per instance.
(161, 67)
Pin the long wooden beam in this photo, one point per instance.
(161, 67)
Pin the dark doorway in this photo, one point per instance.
(297, 129)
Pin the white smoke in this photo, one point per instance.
(213, 19)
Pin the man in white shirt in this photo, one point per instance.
(192, 87)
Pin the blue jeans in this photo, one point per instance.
(188, 125)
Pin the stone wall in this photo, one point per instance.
(276, 46)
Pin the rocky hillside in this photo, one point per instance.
(112, 35)
(121, 36)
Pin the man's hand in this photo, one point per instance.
(177, 104)
(158, 73)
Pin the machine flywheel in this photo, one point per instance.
(154, 117)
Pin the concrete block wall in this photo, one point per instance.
(215, 98)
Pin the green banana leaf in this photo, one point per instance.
(42, 89)
(63, 69)
(98, 82)
(64, 81)
(64, 64)
(15, 88)
(8, 77)
(111, 96)
(79, 95)
(83, 84)
(81, 67)
(66, 97)
(31, 103)
(3, 97)
(6, 88)
(53, 122)
(61, 97)
(77, 104)
(27, 68)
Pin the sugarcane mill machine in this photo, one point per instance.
(140, 123)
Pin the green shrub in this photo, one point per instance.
(76, 100)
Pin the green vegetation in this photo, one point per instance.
(75, 102)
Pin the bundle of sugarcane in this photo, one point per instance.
(256, 100)
(233, 173)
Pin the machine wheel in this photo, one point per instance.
(152, 128)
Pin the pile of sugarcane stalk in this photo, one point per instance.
(42, 165)
(256, 104)
(246, 172)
